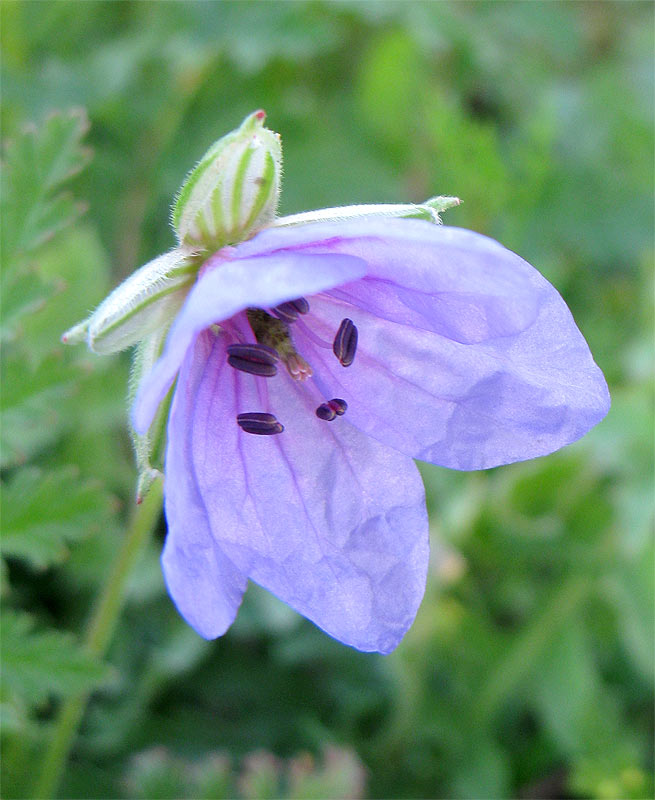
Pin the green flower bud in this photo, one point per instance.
(146, 301)
(233, 192)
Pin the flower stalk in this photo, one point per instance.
(100, 629)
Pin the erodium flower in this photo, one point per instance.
(316, 356)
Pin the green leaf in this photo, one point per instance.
(39, 664)
(37, 164)
(22, 297)
(31, 405)
(46, 510)
(633, 593)
(13, 714)
(33, 208)
(566, 686)
(35, 380)
(76, 266)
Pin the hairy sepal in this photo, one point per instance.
(147, 446)
(429, 210)
(145, 302)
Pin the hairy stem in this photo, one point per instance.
(100, 628)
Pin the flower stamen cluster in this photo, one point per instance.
(274, 343)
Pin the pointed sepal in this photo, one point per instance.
(148, 447)
(429, 210)
(146, 301)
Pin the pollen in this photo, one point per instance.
(333, 408)
(259, 423)
(256, 359)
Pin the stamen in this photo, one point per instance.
(256, 359)
(286, 312)
(345, 343)
(289, 311)
(333, 408)
(301, 305)
(259, 423)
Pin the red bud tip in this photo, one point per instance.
(260, 115)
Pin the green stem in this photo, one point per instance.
(98, 635)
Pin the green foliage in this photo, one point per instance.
(38, 163)
(34, 207)
(46, 508)
(44, 511)
(529, 671)
(40, 664)
(30, 405)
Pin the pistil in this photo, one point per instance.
(274, 333)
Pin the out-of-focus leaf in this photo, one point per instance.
(566, 685)
(76, 266)
(633, 592)
(608, 776)
(35, 380)
(24, 295)
(32, 405)
(38, 163)
(391, 92)
(40, 664)
(13, 713)
(214, 777)
(486, 772)
(46, 510)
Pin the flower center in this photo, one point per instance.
(274, 343)
(273, 332)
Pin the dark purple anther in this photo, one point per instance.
(257, 359)
(333, 408)
(289, 311)
(259, 423)
(345, 342)
(301, 305)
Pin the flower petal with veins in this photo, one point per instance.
(333, 523)
(466, 357)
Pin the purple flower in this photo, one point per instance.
(313, 363)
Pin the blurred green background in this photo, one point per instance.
(529, 670)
